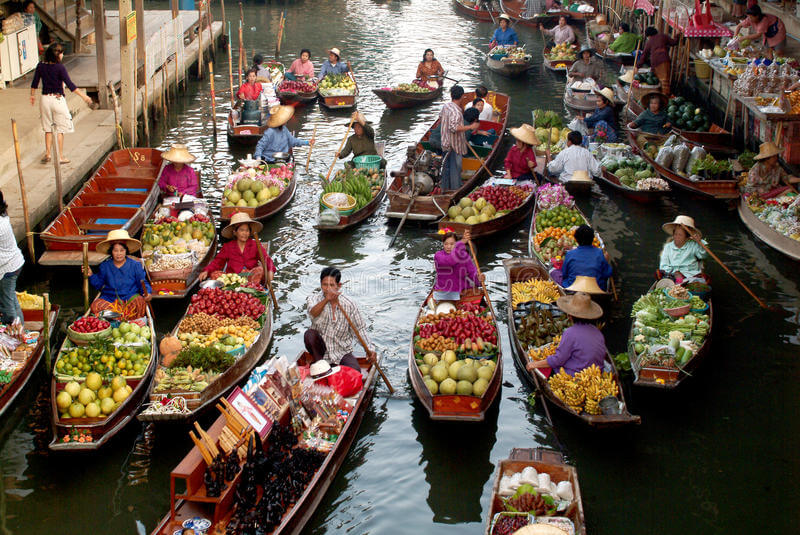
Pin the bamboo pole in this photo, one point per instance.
(213, 98)
(280, 34)
(24, 194)
(200, 43)
(46, 329)
(57, 167)
(115, 103)
(224, 20)
(336, 156)
(85, 275)
(210, 33)
(241, 47)
(230, 66)
(311, 147)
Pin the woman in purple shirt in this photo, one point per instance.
(582, 344)
(53, 104)
(455, 270)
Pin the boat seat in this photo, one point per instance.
(131, 190)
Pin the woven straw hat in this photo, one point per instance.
(504, 17)
(767, 150)
(279, 116)
(526, 134)
(586, 284)
(178, 153)
(607, 92)
(647, 97)
(627, 77)
(669, 228)
(335, 50)
(580, 305)
(321, 369)
(238, 219)
(580, 176)
(118, 235)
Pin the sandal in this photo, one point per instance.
(64, 161)
(45, 159)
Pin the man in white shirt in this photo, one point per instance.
(573, 158)
(487, 113)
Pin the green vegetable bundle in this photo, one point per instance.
(547, 119)
(207, 358)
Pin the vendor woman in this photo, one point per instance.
(333, 65)
(455, 270)
(603, 118)
(240, 254)
(520, 162)
(653, 119)
(682, 255)
(770, 27)
(177, 177)
(582, 345)
(587, 66)
(430, 70)
(250, 89)
(767, 178)
(120, 279)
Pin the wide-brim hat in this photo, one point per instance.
(627, 77)
(118, 235)
(526, 134)
(647, 97)
(322, 369)
(580, 305)
(335, 50)
(585, 48)
(580, 176)
(607, 92)
(240, 218)
(279, 116)
(503, 16)
(685, 220)
(767, 150)
(178, 153)
(586, 284)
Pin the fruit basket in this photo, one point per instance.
(83, 338)
(342, 202)
(678, 311)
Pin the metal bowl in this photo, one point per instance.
(211, 283)
(610, 405)
(109, 315)
(284, 156)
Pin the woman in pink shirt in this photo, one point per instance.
(455, 270)
(770, 27)
(301, 68)
(177, 178)
(521, 160)
(241, 254)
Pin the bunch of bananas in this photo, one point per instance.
(584, 391)
(541, 353)
(355, 184)
(544, 291)
(30, 301)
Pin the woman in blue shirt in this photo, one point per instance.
(120, 280)
(277, 137)
(586, 260)
(603, 118)
(332, 65)
(504, 36)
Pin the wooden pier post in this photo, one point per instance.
(127, 56)
(98, 12)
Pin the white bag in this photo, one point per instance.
(578, 125)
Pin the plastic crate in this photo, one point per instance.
(368, 161)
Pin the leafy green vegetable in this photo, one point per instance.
(622, 362)
(207, 358)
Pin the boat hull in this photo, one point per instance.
(767, 234)
(397, 100)
(349, 221)
(266, 210)
(512, 68)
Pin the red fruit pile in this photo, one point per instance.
(200, 217)
(475, 308)
(89, 324)
(461, 327)
(292, 86)
(168, 219)
(501, 197)
(226, 303)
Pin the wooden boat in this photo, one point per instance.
(555, 64)
(480, 230)
(544, 461)
(33, 322)
(191, 502)
(122, 193)
(712, 189)
(767, 234)
(343, 102)
(396, 100)
(262, 211)
(433, 207)
(468, 8)
(642, 196)
(509, 67)
(178, 284)
(669, 378)
(199, 402)
(296, 98)
(244, 134)
(102, 429)
(350, 221)
(456, 408)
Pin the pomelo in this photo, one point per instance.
(73, 388)
(430, 359)
(464, 388)
(479, 387)
(63, 400)
(453, 369)
(433, 387)
(448, 387)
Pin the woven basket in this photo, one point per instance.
(171, 274)
(343, 210)
(639, 92)
(82, 339)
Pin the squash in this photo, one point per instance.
(169, 347)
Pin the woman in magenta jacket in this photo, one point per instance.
(455, 270)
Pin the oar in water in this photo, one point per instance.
(264, 265)
(366, 348)
(336, 156)
(405, 215)
(311, 147)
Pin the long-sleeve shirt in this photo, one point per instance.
(11, 258)
(119, 282)
(424, 70)
(587, 261)
(452, 118)
(653, 123)
(625, 43)
(249, 91)
(53, 76)
(762, 180)
(231, 259)
(185, 181)
(488, 111)
(276, 140)
(329, 68)
(517, 160)
(657, 49)
(333, 326)
(455, 271)
(505, 37)
(594, 69)
(360, 145)
(686, 259)
(606, 113)
(574, 158)
(581, 346)
(562, 34)
(300, 69)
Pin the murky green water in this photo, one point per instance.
(717, 456)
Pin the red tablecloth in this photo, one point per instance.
(715, 30)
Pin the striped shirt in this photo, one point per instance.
(334, 328)
(452, 118)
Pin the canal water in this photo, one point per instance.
(716, 456)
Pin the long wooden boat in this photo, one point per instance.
(544, 461)
(102, 429)
(122, 193)
(767, 234)
(19, 379)
(642, 196)
(243, 134)
(199, 402)
(574, 187)
(669, 378)
(455, 408)
(554, 65)
(432, 207)
(712, 189)
(523, 269)
(509, 67)
(468, 8)
(341, 102)
(262, 211)
(350, 221)
(396, 100)
(296, 98)
(506, 221)
(192, 502)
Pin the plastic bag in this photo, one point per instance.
(680, 156)
(697, 153)
(578, 125)
(664, 156)
(329, 216)
(347, 381)
(671, 140)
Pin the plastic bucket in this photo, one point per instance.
(701, 69)
(368, 161)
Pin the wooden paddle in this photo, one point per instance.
(483, 165)
(630, 86)
(336, 156)
(405, 215)
(726, 268)
(264, 265)
(480, 276)
(311, 147)
(366, 348)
